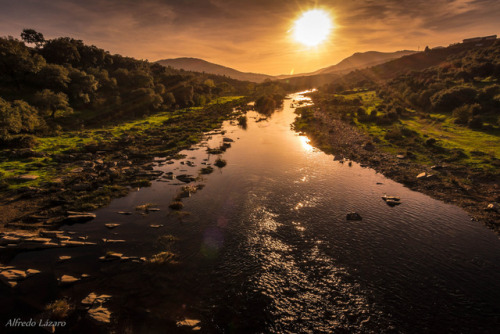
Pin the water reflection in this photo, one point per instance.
(265, 247)
(304, 141)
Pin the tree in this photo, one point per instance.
(52, 76)
(82, 87)
(31, 36)
(169, 99)
(17, 62)
(10, 120)
(63, 50)
(17, 117)
(52, 103)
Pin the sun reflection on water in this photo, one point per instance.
(305, 143)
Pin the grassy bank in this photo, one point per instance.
(83, 170)
(43, 160)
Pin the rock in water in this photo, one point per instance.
(67, 279)
(391, 200)
(353, 216)
(100, 314)
(79, 217)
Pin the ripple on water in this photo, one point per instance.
(308, 291)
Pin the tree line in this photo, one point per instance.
(60, 83)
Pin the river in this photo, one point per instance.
(265, 247)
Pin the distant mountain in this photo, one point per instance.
(357, 61)
(200, 65)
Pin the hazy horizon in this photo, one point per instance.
(252, 36)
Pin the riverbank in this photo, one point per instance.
(474, 191)
(82, 171)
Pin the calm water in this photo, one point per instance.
(266, 248)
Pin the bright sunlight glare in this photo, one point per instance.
(313, 27)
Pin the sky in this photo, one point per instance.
(252, 35)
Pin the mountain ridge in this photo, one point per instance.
(201, 65)
(358, 60)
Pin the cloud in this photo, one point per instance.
(250, 35)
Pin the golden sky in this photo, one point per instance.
(251, 35)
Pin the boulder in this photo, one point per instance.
(111, 226)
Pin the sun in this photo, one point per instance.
(312, 27)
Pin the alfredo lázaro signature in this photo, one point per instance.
(17, 322)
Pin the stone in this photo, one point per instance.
(72, 243)
(93, 298)
(391, 202)
(112, 241)
(422, 175)
(100, 314)
(9, 240)
(353, 216)
(39, 240)
(155, 226)
(63, 258)
(12, 284)
(391, 198)
(113, 255)
(13, 275)
(111, 226)
(188, 323)
(67, 280)
(127, 213)
(153, 209)
(227, 140)
(31, 272)
(186, 178)
(27, 177)
(493, 207)
(79, 217)
(51, 234)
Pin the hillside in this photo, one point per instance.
(200, 65)
(357, 61)
(406, 64)
(363, 59)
